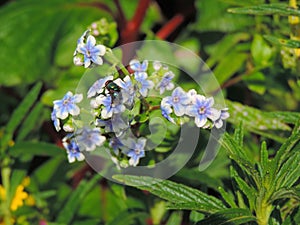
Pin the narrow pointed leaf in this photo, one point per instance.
(264, 157)
(229, 217)
(267, 9)
(285, 193)
(19, 113)
(239, 134)
(171, 191)
(228, 197)
(69, 210)
(283, 42)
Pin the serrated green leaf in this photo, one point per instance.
(69, 210)
(267, 9)
(283, 42)
(229, 217)
(18, 115)
(190, 206)
(239, 134)
(30, 122)
(284, 193)
(173, 192)
(228, 197)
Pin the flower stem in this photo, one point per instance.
(263, 213)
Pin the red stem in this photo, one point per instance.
(170, 26)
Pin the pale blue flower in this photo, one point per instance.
(110, 107)
(115, 144)
(67, 105)
(98, 87)
(127, 90)
(223, 116)
(178, 101)
(89, 139)
(138, 68)
(136, 150)
(145, 85)
(113, 125)
(56, 121)
(202, 110)
(73, 151)
(166, 110)
(92, 52)
(166, 82)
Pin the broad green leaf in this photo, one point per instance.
(229, 217)
(35, 148)
(267, 9)
(217, 19)
(30, 122)
(29, 50)
(18, 115)
(231, 64)
(283, 42)
(261, 51)
(194, 206)
(69, 210)
(173, 192)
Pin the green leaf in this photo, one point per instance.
(256, 82)
(228, 197)
(175, 218)
(236, 61)
(261, 51)
(18, 115)
(264, 157)
(285, 193)
(30, 51)
(239, 134)
(67, 213)
(129, 216)
(283, 42)
(35, 148)
(30, 122)
(16, 179)
(267, 9)
(229, 217)
(173, 192)
(194, 206)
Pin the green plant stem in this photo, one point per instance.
(5, 173)
(263, 213)
(110, 57)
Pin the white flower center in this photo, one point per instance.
(202, 110)
(176, 99)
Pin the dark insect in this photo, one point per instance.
(113, 89)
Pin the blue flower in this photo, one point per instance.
(165, 83)
(88, 139)
(56, 121)
(92, 52)
(178, 101)
(127, 90)
(166, 111)
(138, 68)
(73, 151)
(136, 150)
(67, 105)
(115, 144)
(98, 87)
(202, 110)
(145, 85)
(113, 125)
(223, 116)
(110, 107)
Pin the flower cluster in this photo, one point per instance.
(118, 102)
